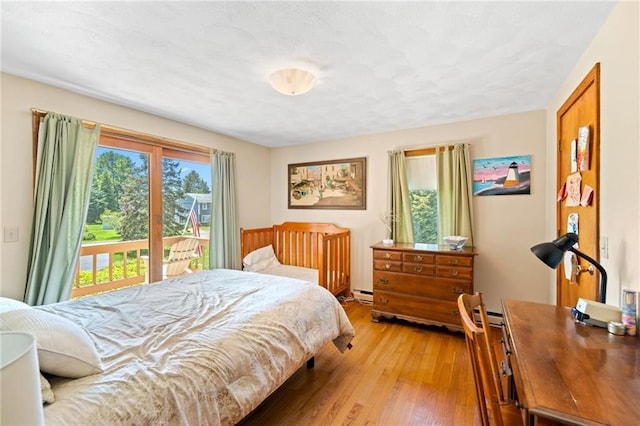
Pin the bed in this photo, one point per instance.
(316, 252)
(204, 348)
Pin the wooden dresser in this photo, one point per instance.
(420, 282)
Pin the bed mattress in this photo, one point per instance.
(299, 272)
(205, 348)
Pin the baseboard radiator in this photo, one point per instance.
(495, 318)
(363, 295)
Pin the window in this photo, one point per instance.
(139, 189)
(136, 206)
(423, 190)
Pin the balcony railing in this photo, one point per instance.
(113, 265)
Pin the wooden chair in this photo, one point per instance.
(180, 256)
(495, 408)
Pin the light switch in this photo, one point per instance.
(10, 234)
(604, 247)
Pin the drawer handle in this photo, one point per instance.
(418, 268)
(383, 301)
(387, 255)
(457, 290)
(387, 266)
(453, 261)
(417, 258)
(454, 273)
(455, 312)
(383, 281)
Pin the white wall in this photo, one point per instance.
(506, 226)
(617, 48)
(20, 95)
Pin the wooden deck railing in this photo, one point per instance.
(125, 266)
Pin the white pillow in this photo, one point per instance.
(45, 390)
(7, 304)
(260, 259)
(64, 348)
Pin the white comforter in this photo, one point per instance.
(204, 348)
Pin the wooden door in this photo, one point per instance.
(581, 109)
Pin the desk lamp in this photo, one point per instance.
(586, 311)
(552, 253)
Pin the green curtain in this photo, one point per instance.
(455, 192)
(224, 244)
(399, 200)
(64, 170)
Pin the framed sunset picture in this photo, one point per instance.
(502, 175)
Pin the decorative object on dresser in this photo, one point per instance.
(420, 282)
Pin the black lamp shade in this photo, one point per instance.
(552, 253)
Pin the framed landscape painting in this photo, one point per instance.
(502, 175)
(334, 184)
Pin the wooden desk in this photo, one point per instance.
(569, 372)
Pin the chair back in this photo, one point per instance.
(486, 374)
(180, 256)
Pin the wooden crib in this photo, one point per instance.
(321, 246)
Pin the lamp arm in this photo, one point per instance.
(603, 273)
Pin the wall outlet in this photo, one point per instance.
(604, 247)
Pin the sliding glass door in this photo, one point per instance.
(144, 198)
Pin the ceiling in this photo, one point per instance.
(380, 66)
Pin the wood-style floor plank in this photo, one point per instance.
(396, 374)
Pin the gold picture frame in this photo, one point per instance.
(330, 185)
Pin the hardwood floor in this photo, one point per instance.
(396, 374)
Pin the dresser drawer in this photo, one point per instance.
(454, 272)
(445, 312)
(421, 258)
(387, 255)
(437, 288)
(387, 265)
(454, 260)
(418, 269)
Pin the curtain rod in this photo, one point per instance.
(138, 136)
(416, 152)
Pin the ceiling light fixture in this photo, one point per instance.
(292, 81)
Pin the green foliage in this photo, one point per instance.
(102, 275)
(112, 171)
(100, 234)
(424, 210)
(172, 192)
(111, 218)
(194, 184)
(134, 205)
(87, 236)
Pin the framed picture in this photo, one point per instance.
(331, 185)
(502, 175)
